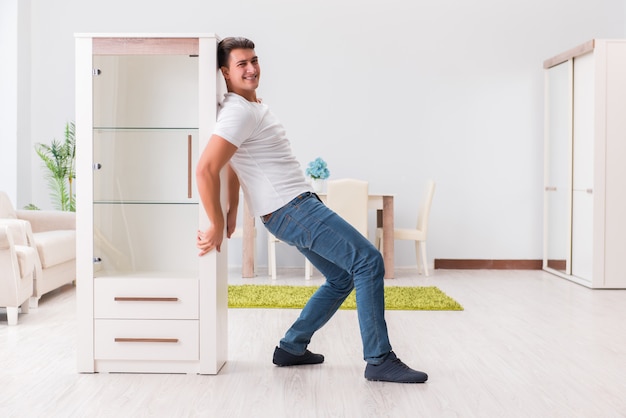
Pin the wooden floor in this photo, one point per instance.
(528, 344)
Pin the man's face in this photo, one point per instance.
(243, 71)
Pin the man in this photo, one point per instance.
(251, 143)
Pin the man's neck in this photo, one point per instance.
(248, 95)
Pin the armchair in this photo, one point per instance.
(17, 268)
(53, 235)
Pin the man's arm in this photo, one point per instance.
(233, 201)
(214, 157)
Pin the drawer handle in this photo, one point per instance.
(146, 340)
(140, 299)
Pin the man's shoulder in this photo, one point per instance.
(233, 104)
(236, 103)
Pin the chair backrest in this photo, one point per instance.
(6, 207)
(348, 198)
(424, 210)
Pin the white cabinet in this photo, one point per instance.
(585, 164)
(145, 107)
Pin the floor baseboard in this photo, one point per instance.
(465, 264)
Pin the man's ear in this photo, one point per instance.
(225, 72)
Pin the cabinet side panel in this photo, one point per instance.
(615, 201)
(213, 266)
(84, 214)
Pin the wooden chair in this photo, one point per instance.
(417, 234)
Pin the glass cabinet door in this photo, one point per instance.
(145, 147)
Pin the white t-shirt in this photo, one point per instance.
(269, 173)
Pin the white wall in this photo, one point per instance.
(8, 97)
(15, 139)
(391, 91)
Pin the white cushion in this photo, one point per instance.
(55, 247)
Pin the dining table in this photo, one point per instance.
(380, 204)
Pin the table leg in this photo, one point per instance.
(388, 240)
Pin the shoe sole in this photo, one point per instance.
(393, 381)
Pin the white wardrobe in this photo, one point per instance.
(585, 164)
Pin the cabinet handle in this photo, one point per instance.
(146, 340)
(550, 188)
(590, 191)
(189, 166)
(143, 299)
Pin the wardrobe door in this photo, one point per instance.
(558, 168)
(582, 171)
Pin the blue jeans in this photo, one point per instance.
(347, 260)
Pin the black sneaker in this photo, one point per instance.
(394, 370)
(283, 358)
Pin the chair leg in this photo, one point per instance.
(271, 258)
(25, 307)
(378, 241)
(424, 258)
(33, 302)
(12, 315)
(417, 257)
(308, 269)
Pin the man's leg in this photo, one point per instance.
(340, 252)
(346, 258)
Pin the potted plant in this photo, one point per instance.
(59, 158)
(318, 171)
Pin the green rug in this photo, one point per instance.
(294, 297)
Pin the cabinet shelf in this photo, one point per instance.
(141, 202)
(144, 128)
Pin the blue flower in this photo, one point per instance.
(317, 169)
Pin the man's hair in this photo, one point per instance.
(228, 44)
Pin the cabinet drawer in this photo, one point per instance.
(146, 298)
(117, 339)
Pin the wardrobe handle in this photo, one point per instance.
(189, 166)
(550, 188)
(142, 299)
(146, 340)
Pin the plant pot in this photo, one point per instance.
(319, 185)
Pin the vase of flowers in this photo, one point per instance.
(318, 171)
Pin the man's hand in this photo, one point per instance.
(209, 240)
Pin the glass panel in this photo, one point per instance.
(145, 149)
(558, 188)
(141, 165)
(135, 238)
(154, 91)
